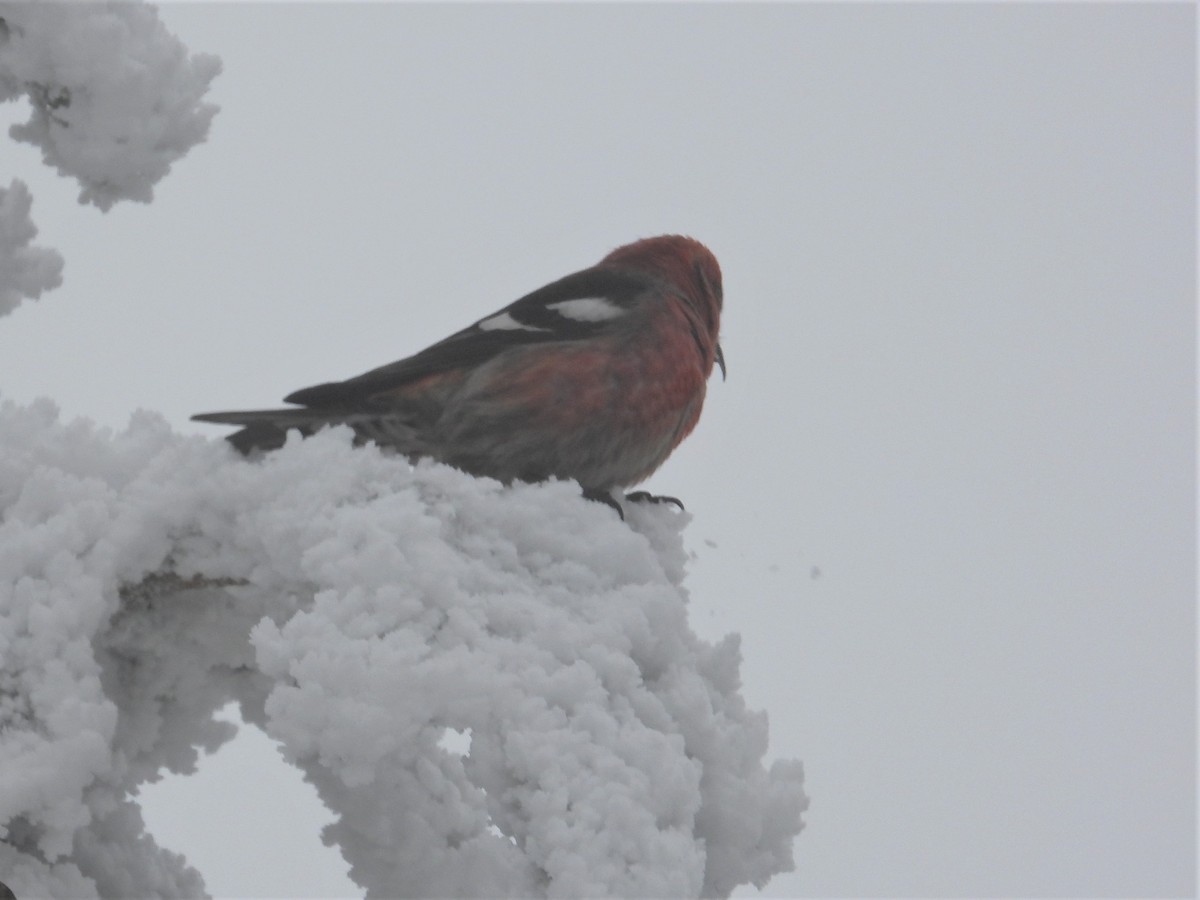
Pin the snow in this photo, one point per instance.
(115, 98)
(25, 271)
(495, 689)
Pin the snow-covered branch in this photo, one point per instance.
(115, 98)
(25, 271)
(361, 610)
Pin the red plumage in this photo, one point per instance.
(597, 377)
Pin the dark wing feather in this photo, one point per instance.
(474, 345)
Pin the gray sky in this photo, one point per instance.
(958, 244)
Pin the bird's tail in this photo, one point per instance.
(266, 429)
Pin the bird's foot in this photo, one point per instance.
(606, 498)
(647, 497)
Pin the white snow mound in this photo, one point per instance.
(360, 609)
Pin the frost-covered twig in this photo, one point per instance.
(25, 271)
(361, 609)
(116, 99)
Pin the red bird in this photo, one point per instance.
(597, 377)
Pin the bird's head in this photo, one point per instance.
(688, 268)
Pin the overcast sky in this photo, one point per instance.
(947, 495)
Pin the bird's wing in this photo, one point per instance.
(574, 308)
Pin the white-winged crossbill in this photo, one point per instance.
(597, 377)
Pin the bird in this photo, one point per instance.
(595, 377)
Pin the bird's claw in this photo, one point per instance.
(636, 497)
(606, 498)
(647, 497)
